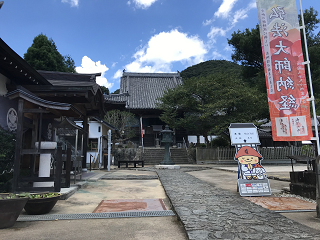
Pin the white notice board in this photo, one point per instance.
(243, 133)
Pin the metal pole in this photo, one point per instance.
(141, 134)
(90, 162)
(76, 144)
(314, 115)
(310, 81)
(100, 152)
(109, 149)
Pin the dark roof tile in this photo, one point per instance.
(141, 90)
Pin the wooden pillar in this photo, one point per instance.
(68, 166)
(85, 141)
(18, 149)
(58, 170)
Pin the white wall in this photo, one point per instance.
(193, 138)
(94, 133)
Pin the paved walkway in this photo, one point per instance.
(208, 212)
(205, 210)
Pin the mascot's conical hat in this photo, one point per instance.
(247, 151)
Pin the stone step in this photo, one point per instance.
(156, 155)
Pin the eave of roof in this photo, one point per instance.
(17, 69)
(72, 80)
(26, 95)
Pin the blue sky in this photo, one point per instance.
(108, 36)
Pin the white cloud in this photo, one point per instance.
(89, 66)
(118, 74)
(225, 11)
(242, 13)
(214, 32)
(253, 4)
(225, 8)
(73, 3)
(208, 22)
(164, 49)
(144, 4)
(217, 55)
(228, 48)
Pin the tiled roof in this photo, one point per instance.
(117, 98)
(71, 79)
(141, 90)
(263, 133)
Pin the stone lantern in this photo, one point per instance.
(167, 140)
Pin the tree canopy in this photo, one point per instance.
(208, 104)
(210, 67)
(123, 121)
(43, 55)
(247, 51)
(116, 91)
(105, 90)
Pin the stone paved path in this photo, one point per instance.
(208, 212)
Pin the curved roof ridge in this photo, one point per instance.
(134, 74)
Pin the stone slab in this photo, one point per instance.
(130, 205)
(282, 203)
(167, 166)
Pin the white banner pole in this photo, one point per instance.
(314, 114)
(310, 81)
(109, 149)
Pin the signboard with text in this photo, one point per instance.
(252, 177)
(249, 188)
(284, 70)
(243, 133)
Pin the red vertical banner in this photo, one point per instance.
(284, 70)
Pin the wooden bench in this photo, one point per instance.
(303, 159)
(131, 161)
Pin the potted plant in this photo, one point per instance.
(11, 206)
(40, 203)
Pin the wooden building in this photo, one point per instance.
(139, 94)
(33, 102)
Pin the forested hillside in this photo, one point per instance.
(211, 67)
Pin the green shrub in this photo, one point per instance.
(7, 149)
(220, 141)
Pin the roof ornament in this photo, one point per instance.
(124, 70)
(1, 3)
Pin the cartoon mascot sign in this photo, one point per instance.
(249, 160)
(252, 177)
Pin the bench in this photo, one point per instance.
(131, 161)
(303, 159)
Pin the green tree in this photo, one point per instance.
(208, 104)
(43, 55)
(116, 91)
(210, 67)
(104, 90)
(310, 20)
(123, 121)
(247, 51)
